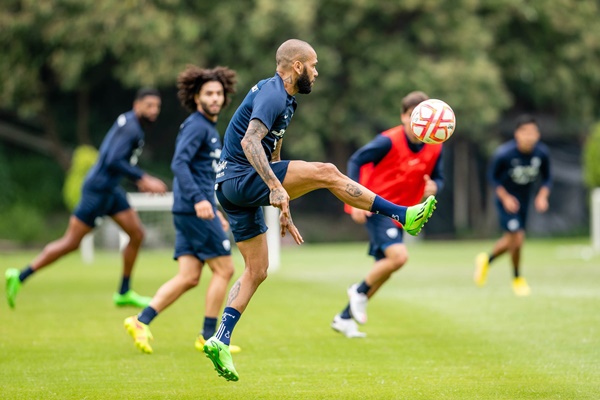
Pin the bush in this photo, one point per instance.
(591, 158)
(22, 224)
(84, 157)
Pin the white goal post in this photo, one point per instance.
(164, 203)
(595, 219)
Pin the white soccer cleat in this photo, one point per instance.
(358, 304)
(347, 327)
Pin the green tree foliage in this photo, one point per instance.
(548, 52)
(52, 48)
(84, 158)
(591, 158)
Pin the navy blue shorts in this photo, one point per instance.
(242, 198)
(98, 204)
(512, 222)
(383, 232)
(201, 238)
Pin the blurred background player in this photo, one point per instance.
(251, 175)
(515, 167)
(404, 170)
(101, 195)
(199, 226)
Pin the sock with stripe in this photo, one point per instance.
(230, 317)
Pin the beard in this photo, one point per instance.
(304, 84)
(145, 122)
(207, 112)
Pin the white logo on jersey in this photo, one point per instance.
(254, 88)
(285, 116)
(122, 120)
(278, 134)
(524, 174)
(216, 155)
(213, 140)
(137, 152)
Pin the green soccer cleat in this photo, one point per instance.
(219, 354)
(140, 333)
(13, 284)
(131, 298)
(200, 342)
(417, 215)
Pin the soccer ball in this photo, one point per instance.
(433, 121)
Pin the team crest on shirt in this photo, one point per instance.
(227, 245)
(392, 233)
(524, 174)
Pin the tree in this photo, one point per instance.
(53, 49)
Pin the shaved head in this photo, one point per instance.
(293, 50)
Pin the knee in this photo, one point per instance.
(257, 274)
(327, 172)
(397, 260)
(137, 235)
(190, 280)
(225, 271)
(70, 244)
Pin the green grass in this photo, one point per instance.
(431, 334)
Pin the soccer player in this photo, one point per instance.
(515, 167)
(401, 168)
(200, 228)
(102, 195)
(251, 174)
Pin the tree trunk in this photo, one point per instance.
(83, 116)
(58, 152)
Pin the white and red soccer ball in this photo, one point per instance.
(433, 121)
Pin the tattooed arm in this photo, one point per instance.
(252, 146)
(279, 197)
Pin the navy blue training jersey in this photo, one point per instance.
(268, 102)
(517, 172)
(118, 156)
(197, 152)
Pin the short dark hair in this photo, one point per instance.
(191, 80)
(146, 91)
(524, 119)
(412, 100)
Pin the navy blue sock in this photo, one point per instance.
(124, 285)
(384, 207)
(147, 315)
(491, 258)
(25, 273)
(230, 317)
(363, 288)
(346, 313)
(210, 326)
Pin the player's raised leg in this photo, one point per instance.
(69, 242)
(303, 177)
(130, 222)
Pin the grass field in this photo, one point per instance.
(431, 334)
